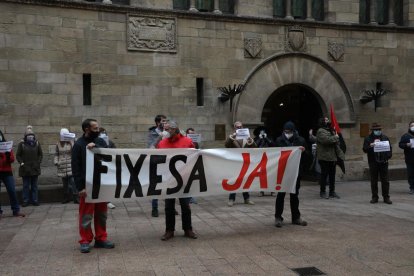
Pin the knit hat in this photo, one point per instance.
(289, 125)
(63, 131)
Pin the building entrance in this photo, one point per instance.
(294, 102)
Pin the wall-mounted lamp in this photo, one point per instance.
(373, 95)
(228, 93)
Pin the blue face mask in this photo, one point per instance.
(377, 132)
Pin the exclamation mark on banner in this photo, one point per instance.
(284, 155)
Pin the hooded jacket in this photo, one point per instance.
(29, 156)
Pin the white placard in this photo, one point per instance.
(381, 146)
(68, 137)
(412, 143)
(242, 133)
(195, 137)
(6, 146)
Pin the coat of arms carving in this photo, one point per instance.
(336, 51)
(151, 33)
(295, 40)
(252, 47)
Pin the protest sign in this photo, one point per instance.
(195, 137)
(68, 137)
(122, 174)
(6, 146)
(242, 133)
(381, 146)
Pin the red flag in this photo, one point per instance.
(334, 122)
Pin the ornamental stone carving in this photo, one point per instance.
(295, 40)
(253, 47)
(151, 33)
(336, 51)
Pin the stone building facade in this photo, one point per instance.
(126, 61)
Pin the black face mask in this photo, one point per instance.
(94, 134)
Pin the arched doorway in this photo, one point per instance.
(292, 102)
(288, 70)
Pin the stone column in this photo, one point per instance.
(192, 6)
(217, 7)
(309, 11)
(289, 10)
(372, 12)
(391, 13)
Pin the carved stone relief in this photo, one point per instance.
(253, 47)
(151, 33)
(336, 51)
(295, 40)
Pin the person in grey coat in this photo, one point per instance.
(63, 160)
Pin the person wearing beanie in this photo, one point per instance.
(29, 155)
(63, 162)
(291, 138)
(406, 143)
(378, 163)
(6, 176)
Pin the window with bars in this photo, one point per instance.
(299, 8)
(382, 12)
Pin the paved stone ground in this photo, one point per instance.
(347, 236)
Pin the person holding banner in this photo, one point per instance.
(407, 144)
(240, 139)
(89, 211)
(291, 138)
(104, 136)
(174, 139)
(6, 175)
(29, 155)
(378, 149)
(63, 162)
(154, 137)
(328, 153)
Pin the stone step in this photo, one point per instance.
(47, 194)
(395, 172)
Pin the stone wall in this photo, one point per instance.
(44, 50)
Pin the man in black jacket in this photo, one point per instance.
(290, 138)
(406, 143)
(87, 211)
(378, 163)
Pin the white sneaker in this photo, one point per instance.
(248, 201)
(230, 203)
(111, 206)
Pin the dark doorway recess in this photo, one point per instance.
(293, 102)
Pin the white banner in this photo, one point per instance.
(122, 174)
(6, 146)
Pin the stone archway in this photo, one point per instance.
(293, 68)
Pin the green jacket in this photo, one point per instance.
(327, 146)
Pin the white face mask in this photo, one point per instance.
(412, 129)
(288, 135)
(165, 134)
(377, 132)
(104, 137)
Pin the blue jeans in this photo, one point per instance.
(30, 189)
(10, 187)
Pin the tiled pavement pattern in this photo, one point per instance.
(347, 236)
